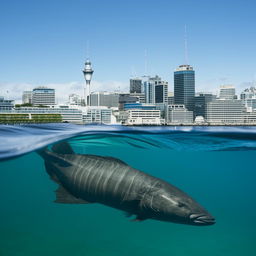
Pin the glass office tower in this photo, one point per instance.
(184, 86)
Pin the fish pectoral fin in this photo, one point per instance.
(139, 218)
(64, 197)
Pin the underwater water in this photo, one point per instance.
(214, 165)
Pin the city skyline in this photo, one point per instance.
(45, 43)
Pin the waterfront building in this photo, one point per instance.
(97, 115)
(156, 90)
(87, 71)
(6, 105)
(136, 85)
(121, 116)
(128, 106)
(68, 114)
(201, 101)
(249, 118)
(221, 111)
(184, 86)
(227, 92)
(178, 114)
(27, 97)
(144, 117)
(107, 99)
(43, 96)
(74, 99)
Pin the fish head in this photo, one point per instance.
(174, 205)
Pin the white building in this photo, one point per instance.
(178, 114)
(144, 117)
(224, 112)
(227, 92)
(43, 96)
(70, 115)
(107, 99)
(249, 118)
(98, 115)
(27, 97)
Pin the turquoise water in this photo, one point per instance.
(214, 166)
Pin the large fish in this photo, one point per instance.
(87, 179)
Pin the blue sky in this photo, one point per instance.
(44, 42)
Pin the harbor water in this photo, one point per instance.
(214, 165)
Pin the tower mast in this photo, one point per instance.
(88, 71)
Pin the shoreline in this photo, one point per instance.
(138, 125)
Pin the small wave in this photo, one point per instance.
(18, 140)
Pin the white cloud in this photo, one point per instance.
(14, 90)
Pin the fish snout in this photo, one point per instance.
(202, 219)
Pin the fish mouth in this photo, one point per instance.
(202, 219)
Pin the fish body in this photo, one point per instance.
(110, 181)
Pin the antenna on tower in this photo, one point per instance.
(146, 62)
(185, 45)
(87, 49)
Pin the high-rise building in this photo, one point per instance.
(184, 86)
(156, 90)
(27, 97)
(227, 92)
(135, 85)
(201, 101)
(107, 99)
(88, 77)
(43, 96)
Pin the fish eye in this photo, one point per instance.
(181, 204)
